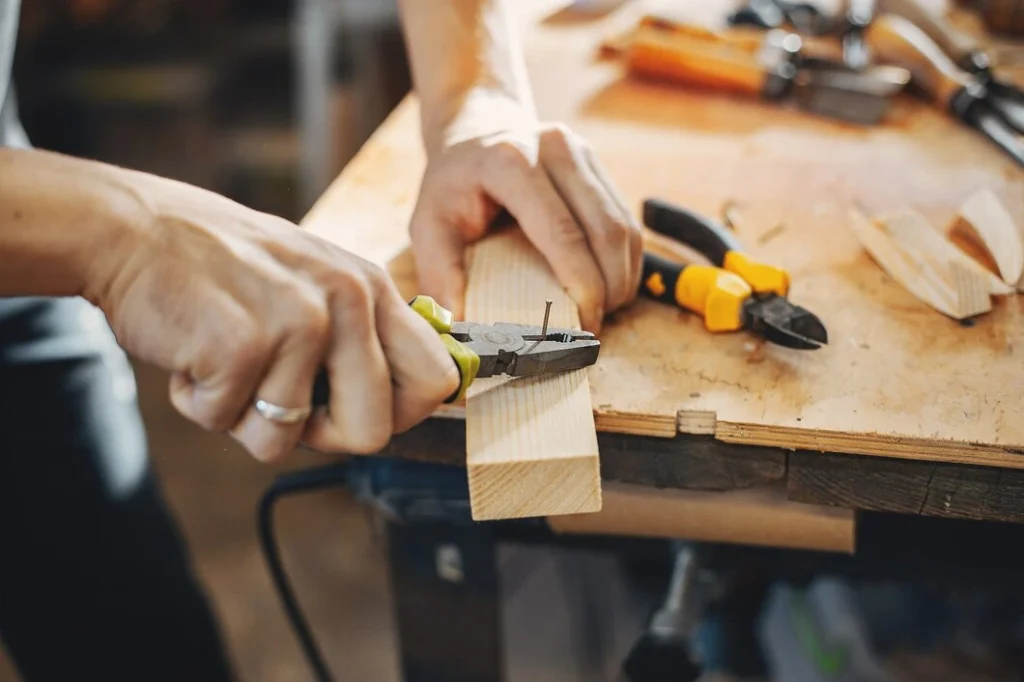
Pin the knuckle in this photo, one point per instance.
(376, 277)
(566, 232)
(245, 348)
(308, 317)
(506, 154)
(353, 291)
(615, 236)
(559, 138)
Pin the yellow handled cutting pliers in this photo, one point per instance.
(735, 292)
(486, 350)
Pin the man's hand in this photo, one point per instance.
(238, 305)
(495, 156)
(243, 305)
(487, 151)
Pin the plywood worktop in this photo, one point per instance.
(897, 379)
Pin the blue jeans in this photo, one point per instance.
(95, 583)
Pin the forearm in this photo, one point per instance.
(60, 217)
(463, 52)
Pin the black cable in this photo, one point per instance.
(290, 484)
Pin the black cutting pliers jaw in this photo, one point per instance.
(781, 322)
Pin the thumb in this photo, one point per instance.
(439, 251)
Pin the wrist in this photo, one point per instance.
(476, 112)
(65, 220)
(125, 224)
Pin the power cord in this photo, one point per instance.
(293, 483)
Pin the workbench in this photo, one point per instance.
(721, 438)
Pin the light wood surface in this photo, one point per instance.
(759, 517)
(897, 379)
(531, 444)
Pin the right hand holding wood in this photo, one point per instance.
(241, 305)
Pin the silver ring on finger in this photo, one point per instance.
(282, 415)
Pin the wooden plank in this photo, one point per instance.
(531, 443)
(877, 484)
(758, 517)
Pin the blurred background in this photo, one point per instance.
(261, 100)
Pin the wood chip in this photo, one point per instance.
(903, 268)
(971, 290)
(913, 232)
(984, 219)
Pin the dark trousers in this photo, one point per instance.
(94, 580)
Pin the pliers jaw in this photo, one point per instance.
(784, 323)
(526, 350)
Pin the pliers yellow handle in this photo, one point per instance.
(466, 359)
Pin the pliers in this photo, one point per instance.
(735, 292)
(502, 348)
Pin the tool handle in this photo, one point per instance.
(716, 243)
(961, 48)
(440, 318)
(695, 60)
(708, 237)
(897, 41)
(744, 38)
(713, 293)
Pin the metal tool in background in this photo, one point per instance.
(803, 17)
(857, 17)
(663, 653)
(502, 348)
(771, 67)
(896, 40)
(737, 292)
(965, 52)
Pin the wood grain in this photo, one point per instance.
(759, 517)
(888, 485)
(984, 219)
(915, 232)
(896, 379)
(962, 284)
(531, 443)
(912, 269)
(972, 295)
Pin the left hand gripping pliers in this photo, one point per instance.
(502, 348)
